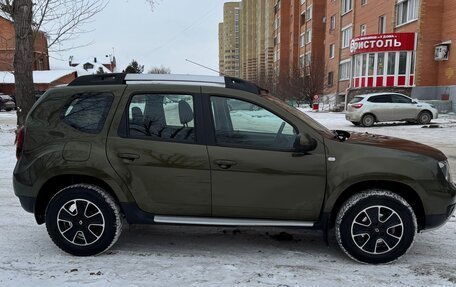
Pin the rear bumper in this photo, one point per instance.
(353, 116)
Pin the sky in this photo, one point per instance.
(175, 30)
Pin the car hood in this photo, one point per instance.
(396, 143)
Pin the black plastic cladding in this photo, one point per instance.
(119, 79)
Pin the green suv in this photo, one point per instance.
(170, 149)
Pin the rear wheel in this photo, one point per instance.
(376, 226)
(368, 120)
(424, 118)
(83, 220)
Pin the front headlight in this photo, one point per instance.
(445, 167)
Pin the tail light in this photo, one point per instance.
(19, 142)
(357, 106)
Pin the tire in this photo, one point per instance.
(376, 241)
(356, 123)
(368, 120)
(86, 233)
(424, 118)
(8, 110)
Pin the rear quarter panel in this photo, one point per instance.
(53, 148)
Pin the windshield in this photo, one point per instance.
(300, 114)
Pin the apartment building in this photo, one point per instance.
(299, 34)
(229, 40)
(386, 45)
(8, 48)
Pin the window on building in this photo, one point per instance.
(363, 29)
(380, 64)
(302, 40)
(347, 6)
(391, 63)
(332, 51)
(302, 19)
(303, 2)
(309, 13)
(332, 23)
(301, 61)
(402, 63)
(308, 59)
(309, 35)
(371, 65)
(407, 11)
(363, 2)
(330, 79)
(347, 34)
(382, 24)
(344, 70)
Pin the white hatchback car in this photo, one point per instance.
(368, 109)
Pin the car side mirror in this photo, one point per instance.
(304, 143)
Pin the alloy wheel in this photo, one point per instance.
(80, 222)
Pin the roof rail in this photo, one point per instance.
(101, 79)
(122, 79)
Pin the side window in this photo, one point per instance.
(380, 99)
(400, 99)
(87, 112)
(161, 116)
(243, 124)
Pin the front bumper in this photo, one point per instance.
(28, 203)
(433, 221)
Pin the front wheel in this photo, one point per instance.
(376, 226)
(424, 118)
(83, 220)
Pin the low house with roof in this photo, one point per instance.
(43, 80)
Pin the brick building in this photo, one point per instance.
(390, 45)
(360, 45)
(8, 46)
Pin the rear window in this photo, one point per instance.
(356, 100)
(380, 99)
(87, 112)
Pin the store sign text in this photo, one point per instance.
(383, 43)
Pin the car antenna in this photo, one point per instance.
(213, 70)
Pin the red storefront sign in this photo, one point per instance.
(383, 43)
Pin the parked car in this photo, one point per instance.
(368, 109)
(7, 103)
(167, 149)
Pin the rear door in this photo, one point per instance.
(156, 146)
(255, 171)
(382, 107)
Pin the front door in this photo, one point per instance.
(158, 155)
(255, 172)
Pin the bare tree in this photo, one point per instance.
(303, 83)
(61, 20)
(159, 70)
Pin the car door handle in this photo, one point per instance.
(128, 156)
(225, 164)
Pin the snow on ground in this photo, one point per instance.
(210, 256)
